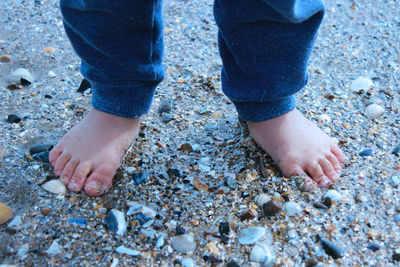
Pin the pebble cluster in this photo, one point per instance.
(195, 190)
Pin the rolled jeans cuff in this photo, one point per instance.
(261, 111)
(128, 101)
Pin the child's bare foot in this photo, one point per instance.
(90, 153)
(299, 147)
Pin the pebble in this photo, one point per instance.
(248, 215)
(394, 180)
(396, 254)
(272, 207)
(167, 117)
(324, 119)
(85, 84)
(224, 229)
(180, 230)
(184, 243)
(292, 208)
(21, 76)
(6, 213)
(54, 249)
(262, 253)
(17, 221)
(361, 83)
(331, 249)
(78, 221)
(374, 247)
(374, 111)
(320, 206)
(127, 251)
(165, 107)
(13, 118)
(51, 74)
(42, 157)
(130, 170)
(397, 218)
(55, 187)
(187, 262)
(115, 222)
(262, 199)
(366, 152)
(232, 264)
(251, 235)
(160, 241)
(139, 178)
(396, 151)
(333, 195)
(231, 181)
(5, 58)
(38, 148)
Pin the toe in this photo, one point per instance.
(60, 163)
(338, 153)
(99, 181)
(69, 170)
(54, 154)
(335, 162)
(79, 177)
(328, 169)
(316, 172)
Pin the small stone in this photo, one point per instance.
(139, 178)
(374, 111)
(5, 58)
(331, 249)
(262, 253)
(38, 148)
(248, 215)
(127, 251)
(224, 229)
(42, 157)
(272, 207)
(78, 221)
(115, 222)
(184, 243)
(160, 241)
(54, 249)
(231, 181)
(187, 262)
(55, 187)
(180, 230)
(361, 83)
(397, 218)
(251, 235)
(320, 206)
(396, 254)
(6, 213)
(394, 180)
(13, 118)
(51, 74)
(396, 151)
(324, 119)
(292, 208)
(85, 84)
(262, 199)
(165, 107)
(186, 147)
(21, 76)
(333, 195)
(212, 248)
(199, 185)
(366, 152)
(232, 264)
(374, 247)
(166, 117)
(49, 49)
(16, 222)
(45, 211)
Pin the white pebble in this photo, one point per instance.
(361, 83)
(18, 74)
(51, 74)
(292, 208)
(187, 262)
(127, 251)
(54, 248)
(184, 243)
(130, 170)
(333, 195)
(251, 235)
(324, 119)
(262, 199)
(374, 111)
(55, 187)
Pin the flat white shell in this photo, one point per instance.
(261, 253)
(361, 83)
(55, 187)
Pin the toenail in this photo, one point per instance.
(73, 186)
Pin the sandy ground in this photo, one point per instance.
(218, 174)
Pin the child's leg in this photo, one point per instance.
(265, 46)
(121, 46)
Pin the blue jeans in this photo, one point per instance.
(264, 45)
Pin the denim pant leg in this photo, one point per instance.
(120, 44)
(265, 46)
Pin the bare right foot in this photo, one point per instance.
(88, 156)
(299, 147)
